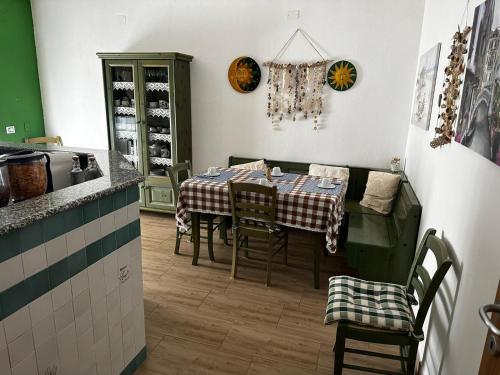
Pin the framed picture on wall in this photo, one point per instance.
(478, 125)
(424, 87)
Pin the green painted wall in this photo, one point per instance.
(20, 100)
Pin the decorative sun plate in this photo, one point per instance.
(342, 75)
(244, 74)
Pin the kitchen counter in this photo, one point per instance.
(71, 293)
(117, 174)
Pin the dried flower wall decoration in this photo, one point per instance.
(451, 92)
(295, 90)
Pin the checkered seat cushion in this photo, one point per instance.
(376, 304)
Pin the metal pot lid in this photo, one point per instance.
(24, 157)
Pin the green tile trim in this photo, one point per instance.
(14, 298)
(122, 236)
(105, 205)
(38, 284)
(91, 211)
(53, 227)
(120, 199)
(16, 242)
(26, 291)
(73, 218)
(58, 273)
(108, 244)
(93, 252)
(31, 236)
(134, 229)
(77, 262)
(10, 246)
(132, 194)
(135, 363)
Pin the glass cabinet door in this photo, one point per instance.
(123, 107)
(156, 109)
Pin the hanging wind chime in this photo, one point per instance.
(451, 92)
(295, 91)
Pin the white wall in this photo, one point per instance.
(459, 193)
(364, 126)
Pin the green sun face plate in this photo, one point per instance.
(342, 75)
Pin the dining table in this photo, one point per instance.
(301, 204)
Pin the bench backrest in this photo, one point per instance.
(405, 215)
(358, 176)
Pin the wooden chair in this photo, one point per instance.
(57, 140)
(381, 312)
(257, 220)
(178, 173)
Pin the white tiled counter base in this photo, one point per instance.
(93, 322)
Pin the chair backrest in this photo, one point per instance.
(54, 140)
(252, 201)
(420, 280)
(178, 173)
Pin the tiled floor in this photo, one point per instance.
(198, 321)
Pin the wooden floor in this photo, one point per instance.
(198, 321)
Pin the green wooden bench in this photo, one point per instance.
(382, 247)
(379, 247)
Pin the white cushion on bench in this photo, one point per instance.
(327, 171)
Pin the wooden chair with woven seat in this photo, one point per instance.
(57, 140)
(178, 173)
(256, 219)
(381, 313)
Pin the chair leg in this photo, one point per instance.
(285, 251)
(234, 267)
(210, 237)
(269, 262)
(339, 349)
(178, 236)
(245, 244)
(412, 359)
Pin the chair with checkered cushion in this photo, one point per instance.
(178, 173)
(257, 220)
(378, 312)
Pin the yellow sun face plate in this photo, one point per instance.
(342, 75)
(244, 74)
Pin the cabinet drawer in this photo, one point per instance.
(159, 197)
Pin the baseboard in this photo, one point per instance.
(135, 363)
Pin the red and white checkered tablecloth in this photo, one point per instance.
(314, 212)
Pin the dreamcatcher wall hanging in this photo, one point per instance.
(295, 90)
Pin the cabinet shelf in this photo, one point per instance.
(157, 86)
(158, 112)
(160, 137)
(160, 161)
(124, 111)
(123, 86)
(126, 134)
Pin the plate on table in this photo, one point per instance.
(211, 175)
(330, 186)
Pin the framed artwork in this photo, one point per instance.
(478, 125)
(424, 87)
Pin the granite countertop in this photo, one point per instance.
(117, 172)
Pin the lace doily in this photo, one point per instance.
(161, 161)
(158, 112)
(125, 111)
(123, 86)
(160, 137)
(156, 86)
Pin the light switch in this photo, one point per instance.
(11, 129)
(294, 14)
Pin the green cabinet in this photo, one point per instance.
(148, 102)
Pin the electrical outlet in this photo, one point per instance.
(294, 14)
(10, 129)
